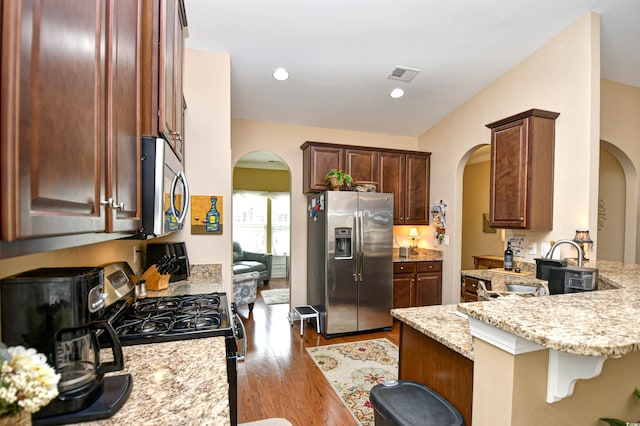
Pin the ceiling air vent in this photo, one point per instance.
(403, 74)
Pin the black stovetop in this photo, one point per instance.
(171, 318)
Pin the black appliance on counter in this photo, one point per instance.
(60, 312)
(178, 251)
(172, 318)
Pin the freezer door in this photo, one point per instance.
(375, 227)
(341, 286)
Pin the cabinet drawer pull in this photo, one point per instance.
(474, 285)
(430, 266)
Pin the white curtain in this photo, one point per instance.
(250, 220)
(280, 208)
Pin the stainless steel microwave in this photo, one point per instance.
(165, 190)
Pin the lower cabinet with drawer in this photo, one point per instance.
(417, 283)
(470, 288)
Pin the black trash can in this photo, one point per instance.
(407, 403)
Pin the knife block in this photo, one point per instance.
(154, 280)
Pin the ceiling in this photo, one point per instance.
(340, 52)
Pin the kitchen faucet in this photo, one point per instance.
(573, 243)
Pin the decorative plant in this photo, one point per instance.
(27, 382)
(617, 422)
(340, 177)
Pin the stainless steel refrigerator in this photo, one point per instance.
(349, 260)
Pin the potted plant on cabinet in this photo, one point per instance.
(336, 178)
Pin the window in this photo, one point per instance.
(250, 220)
(254, 228)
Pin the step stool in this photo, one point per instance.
(306, 312)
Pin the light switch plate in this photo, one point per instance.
(446, 240)
(532, 248)
(544, 249)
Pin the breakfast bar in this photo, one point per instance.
(571, 357)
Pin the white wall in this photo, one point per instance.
(285, 140)
(207, 90)
(562, 76)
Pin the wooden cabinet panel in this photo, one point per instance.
(318, 160)
(416, 193)
(163, 23)
(53, 102)
(470, 288)
(402, 290)
(123, 116)
(422, 281)
(361, 164)
(392, 172)
(426, 361)
(522, 153)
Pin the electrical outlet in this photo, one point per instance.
(532, 248)
(446, 240)
(544, 249)
(136, 258)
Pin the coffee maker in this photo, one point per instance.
(60, 313)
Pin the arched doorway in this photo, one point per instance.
(261, 213)
(477, 238)
(617, 206)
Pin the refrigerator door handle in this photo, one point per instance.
(356, 258)
(361, 245)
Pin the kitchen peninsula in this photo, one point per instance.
(541, 346)
(179, 382)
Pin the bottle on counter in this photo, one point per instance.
(508, 258)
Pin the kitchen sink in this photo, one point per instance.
(519, 288)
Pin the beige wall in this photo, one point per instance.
(285, 140)
(612, 191)
(562, 76)
(620, 133)
(261, 179)
(517, 396)
(475, 202)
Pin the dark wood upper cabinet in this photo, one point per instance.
(53, 118)
(522, 157)
(361, 164)
(163, 25)
(123, 116)
(318, 160)
(70, 141)
(416, 194)
(405, 174)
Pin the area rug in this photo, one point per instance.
(354, 368)
(276, 296)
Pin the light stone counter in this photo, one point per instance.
(442, 324)
(422, 256)
(599, 324)
(181, 382)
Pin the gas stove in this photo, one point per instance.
(165, 319)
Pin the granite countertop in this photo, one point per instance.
(180, 382)
(600, 323)
(442, 323)
(423, 255)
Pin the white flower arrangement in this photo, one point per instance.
(27, 382)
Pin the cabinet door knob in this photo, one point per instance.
(430, 266)
(521, 218)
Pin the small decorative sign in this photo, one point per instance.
(206, 214)
(517, 245)
(485, 224)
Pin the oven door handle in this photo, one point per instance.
(243, 333)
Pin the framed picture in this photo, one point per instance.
(206, 214)
(485, 224)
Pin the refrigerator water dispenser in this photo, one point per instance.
(343, 243)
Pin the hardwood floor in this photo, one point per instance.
(279, 379)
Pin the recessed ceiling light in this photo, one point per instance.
(396, 93)
(281, 74)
